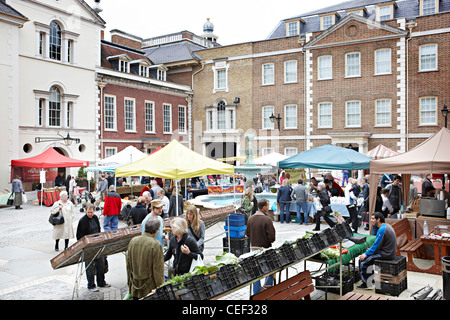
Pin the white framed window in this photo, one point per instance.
(383, 112)
(353, 114)
(326, 22)
(221, 116)
(353, 64)
(268, 74)
(210, 120)
(149, 117)
(167, 118)
(110, 113)
(325, 115)
(428, 111)
(130, 115)
(220, 70)
(383, 61)
(124, 66)
(54, 108)
(110, 151)
(182, 119)
(290, 152)
(55, 44)
(290, 117)
(384, 13)
(266, 151)
(428, 57)
(266, 113)
(143, 70)
(41, 112)
(290, 71)
(429, 7)
(161, 75)
(325, 67)
(293, 28)
(70, 51)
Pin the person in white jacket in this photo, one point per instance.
(351, 202)
(72, 185)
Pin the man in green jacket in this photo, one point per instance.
(145, 262)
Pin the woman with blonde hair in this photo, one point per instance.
(249, 202)
(196, 227)
(182, 247)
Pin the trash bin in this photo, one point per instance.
(446, 277)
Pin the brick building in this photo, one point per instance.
(359, 73)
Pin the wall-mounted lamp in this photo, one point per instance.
(67, 140)
(444, 114)
(272, 119)
(237, 100)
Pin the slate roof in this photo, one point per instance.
(110, 49)
(7, 9)
(405, 9)
(174, 52)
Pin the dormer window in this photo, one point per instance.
(161, 75)
(124, 66)
(385, 11)
(293, 28)
(359, 11)
(328, 20)
(120, 62)
(429, 7)
(143, 70)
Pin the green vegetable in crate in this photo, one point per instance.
(308, 234)
(329, 254)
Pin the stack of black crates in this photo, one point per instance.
(390, 276)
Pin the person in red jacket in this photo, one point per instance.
(111, 209)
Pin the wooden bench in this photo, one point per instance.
(298, 287)
(360, 296)
(413, 247)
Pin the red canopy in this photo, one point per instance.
(50, 158)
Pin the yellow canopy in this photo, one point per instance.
(174, 161)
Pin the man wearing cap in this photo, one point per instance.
(157, 206)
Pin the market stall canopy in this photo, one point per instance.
(327, 157)
(431, 156)
(127, 155)
(50, 158)
(381, 152)
(270, 159)
(100, 169)
(174, 161)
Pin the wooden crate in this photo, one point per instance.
(411, 215)
(388, 278)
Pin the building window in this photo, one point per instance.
(353, 113)
(325, 69)
(428, 107)
(267, 112)
(182, 119)
(124, 66)
(383, 112)
(41, 43)
(54, 107)
(221, 79)
(110, 151)
(384, 13)
(290, 71)
(162, 75)
(110, 112)
(325, 115)
(55, 41)
(428, 57)
(210, 120)
(69, 51)
(268, 74)
(266, 151)
(290, 152)
(290, 117)
(428, 7)
(41, 112)
(220, 70)
(352, 64)
(69, 115)
(293, 28)
(143, 71)
(167, 118)
(221, 116)
(149, 117)
(326, 22)
(130, 115)
(231, 113)
(383, 61)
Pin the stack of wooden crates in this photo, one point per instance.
(391, 276)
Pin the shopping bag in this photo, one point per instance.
(24, 198)
(196, 263)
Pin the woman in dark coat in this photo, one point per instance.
(139, 212)
(182, 247)
(284, 200)
(326, 210)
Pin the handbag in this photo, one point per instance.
(56, 219)
(241, 210)
(10, 200)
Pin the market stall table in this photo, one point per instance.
(441, 248)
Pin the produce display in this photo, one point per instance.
(228, 272)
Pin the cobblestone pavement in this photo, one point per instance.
(26, 248)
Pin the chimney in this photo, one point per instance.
(126, 39)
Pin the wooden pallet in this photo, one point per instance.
(389, 278)
(361, 297)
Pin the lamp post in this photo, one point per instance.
(67, 140)
(272, 119)
(444, 114)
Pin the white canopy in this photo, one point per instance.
(127, 155)
(270, 159)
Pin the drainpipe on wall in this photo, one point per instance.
(101, 85)
(410, 25)
(190, 104)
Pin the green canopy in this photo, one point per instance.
(327, 157)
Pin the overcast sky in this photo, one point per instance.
(235, 21)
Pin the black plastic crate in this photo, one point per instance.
(334, 280)
(298, 252)
(286, 254)
(251, 267)
(230, 276)
(208, 286)
(305, 246)
(391, 289)
(268, 260)
(392, 267)
(330, 236)
(239, 246)
(188, 294)
(318, 242)
(343, 230)
(166, 292)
